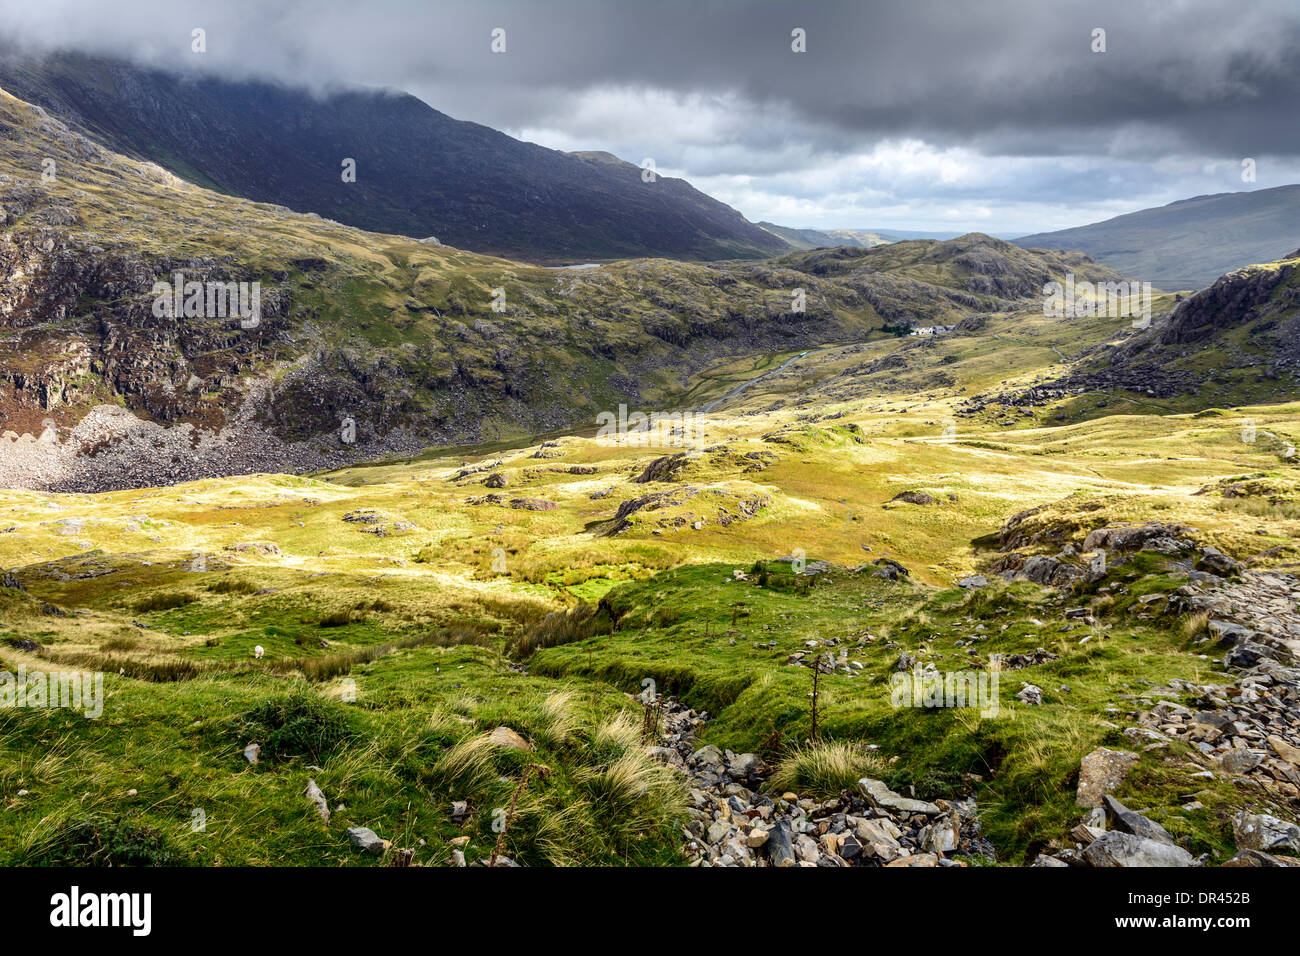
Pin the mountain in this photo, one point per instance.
(415, 344)
(1236, 342)
(813, 238)
(1190, 243)
(418, 172)
(861, 238)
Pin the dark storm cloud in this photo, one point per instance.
(712, 89)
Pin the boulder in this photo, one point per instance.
(1214, 561)
(662, 469)
(1101, 772)
(1153, 536)
(889, 569)
(914, 498)
(1117, 849)
(1259, 831)
(882, 798)
(1049, 571)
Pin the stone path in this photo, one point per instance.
(734, 823)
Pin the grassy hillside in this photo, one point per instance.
(395, 603)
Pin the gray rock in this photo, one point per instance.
(805, 848)
(718, 831)
(1229, 633)
(780, 845)
(1101, 772)
(942, 836)
(1259, 831)
(314, 794)
(882, 798)
(742, 765)
(1122, 818)
(1030, 694)
(1050, 571)
(1255, 858)
(1242, 760)
(367, 841)
(1214, 561)
(710, 756)
(1116, 849)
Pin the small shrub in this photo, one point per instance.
(298, 725)
(233, 586)
(166, 601)
(96, 841)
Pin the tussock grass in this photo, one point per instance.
(824, 768)
(467, 767)
(233, 586)
(298, 724)
(165, 601)
(616, 735)
(634, 792)
(565, 627)
(560, 719)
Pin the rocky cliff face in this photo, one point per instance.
(1243, 331)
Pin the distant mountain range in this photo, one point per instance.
(816, 238)
(419, 172)
(1190, 243)
(860, 238)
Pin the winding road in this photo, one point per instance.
(754, 381)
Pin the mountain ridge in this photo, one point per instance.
(1189, 243)
(418, 172)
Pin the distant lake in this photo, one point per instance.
(585, 265)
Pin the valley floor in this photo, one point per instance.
(620, 642)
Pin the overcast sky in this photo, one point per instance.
(953, 115)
